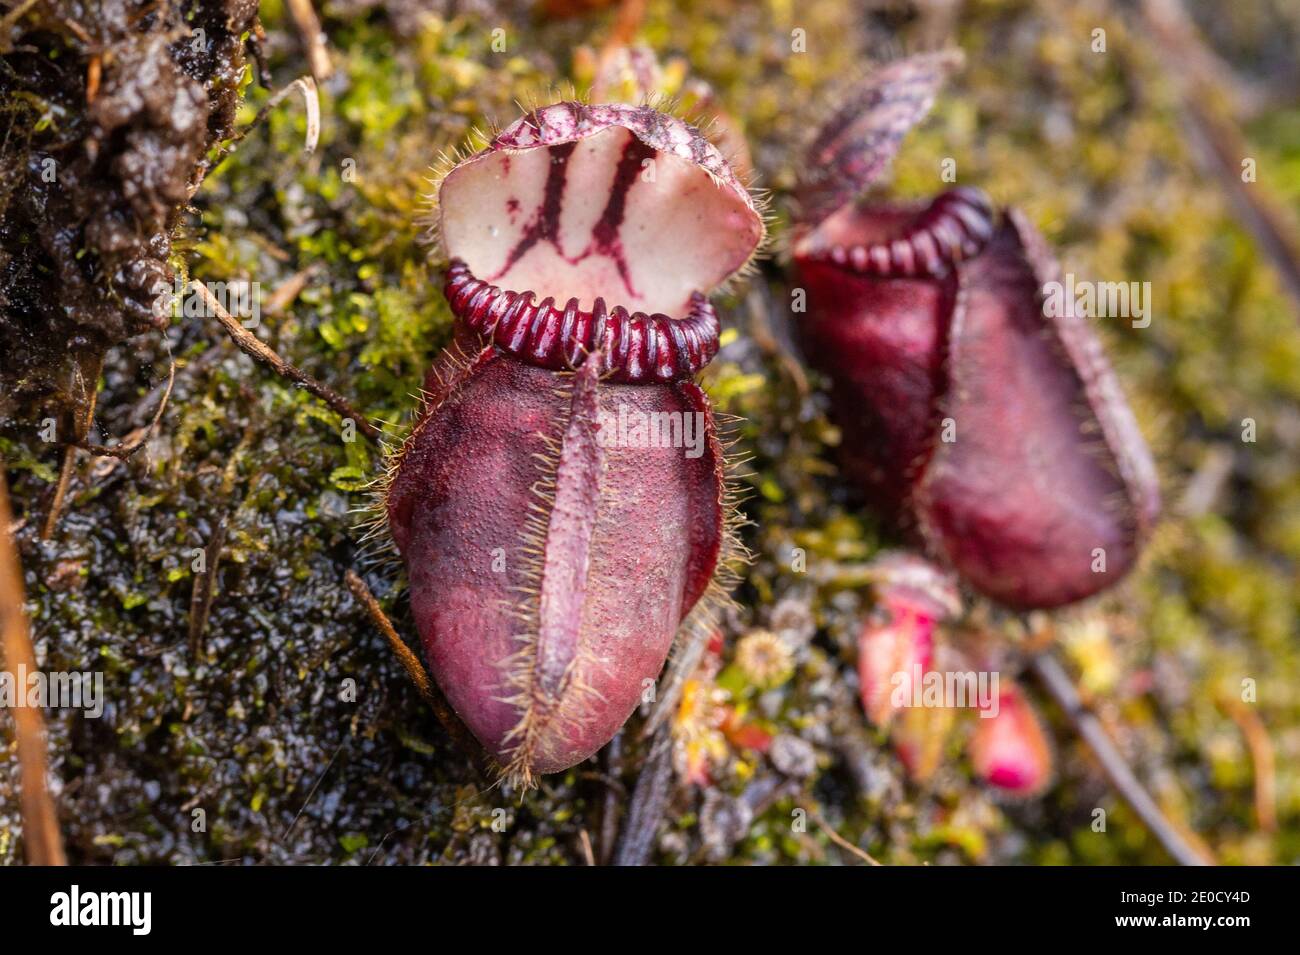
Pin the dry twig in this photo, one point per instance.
(613, 756)
(135, 442)
(838, 839)
(1262, 757)
(648, 801)
(40, 823)
(254, 347)
(85, 380)
(584, 841)
(205, 581)
(307, 24)
(1218, 141)
(457, 730)
(10, 19)
(311, 102)
(1059, 686)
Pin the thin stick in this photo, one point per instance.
(40, 823)
(11, 18)
(254, 347)
(311, 794)
(60, 492)
(838, 839)
(648, 801)
(205, 587)
(1059, 686)
(685, 658)
(307, 24)
(609, 808)
(205, 582)
(81, 421)
(133, 444)
(1219, 143)
(457, 730)
(283, 296)
(311, 102)
(1262, 757)
(584, 840)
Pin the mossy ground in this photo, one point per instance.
(251, 725)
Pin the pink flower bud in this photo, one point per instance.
(1010, 749)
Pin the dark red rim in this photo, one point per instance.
(635, 347)
(954, 227)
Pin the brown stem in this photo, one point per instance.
(11, 18)
(255, 348)
(584, 841)
(205, 583)
(60, 492)
(838, 839)
(204, 588)
(292, 287)
(133, 443)
(1059, 686)
(307, 24)
(311, 103)
(1218, 141)
(41, 837)
(85, 375)
(457, 730)
(1262, 757)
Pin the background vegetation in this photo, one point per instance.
(244, 718)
